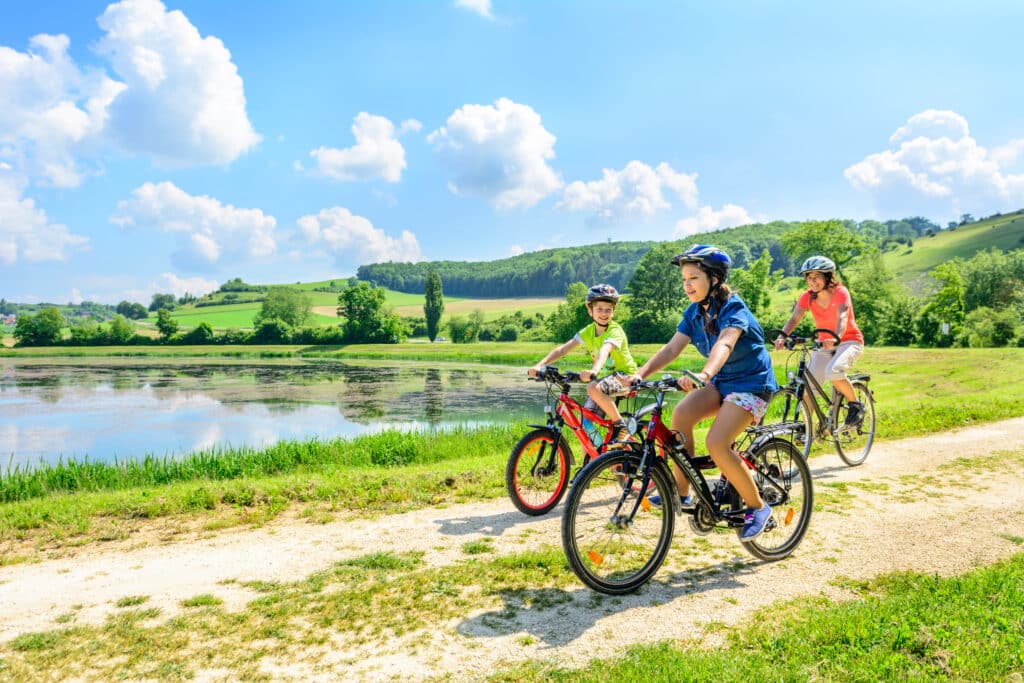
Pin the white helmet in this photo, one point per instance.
(820, 263)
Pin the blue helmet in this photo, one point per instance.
(711, 258)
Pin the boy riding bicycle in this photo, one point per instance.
(606, 342)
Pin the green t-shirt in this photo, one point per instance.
(620, 359)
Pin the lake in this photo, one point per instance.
(107, 409)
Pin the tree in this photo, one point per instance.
(286, 304)
(656, 297)
(120, 330)
(42, 329)
(433, 305)
(873, 291)
(367, 319)
(754, 284)
(570, 317)
(162, 301)
(166, 325)
(945, 308)
(829, 238)
(132, 311)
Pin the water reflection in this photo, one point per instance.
(107, 409)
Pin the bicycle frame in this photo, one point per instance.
(569, 412)
(803, 381)
(658, 442)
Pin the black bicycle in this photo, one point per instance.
(812, 414)
(616, 540)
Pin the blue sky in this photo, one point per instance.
(149, 147)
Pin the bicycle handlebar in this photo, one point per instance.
(550, 373)
(668, 383)
(792, 340)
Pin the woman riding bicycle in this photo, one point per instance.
(830, 304)
(738, 373)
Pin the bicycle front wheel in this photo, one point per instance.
(784, 480)
(854, 443)
(784, 406)
(537, 472)
(614, 538)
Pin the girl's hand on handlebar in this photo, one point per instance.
(535, 370)
(780, 343)
(687, 384)
(828, 344)
(587, 375)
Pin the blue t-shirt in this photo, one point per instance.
(749, 368)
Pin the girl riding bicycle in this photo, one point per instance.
(605, 341)
(829, 302)
(738, 373)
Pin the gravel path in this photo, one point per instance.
(927, 520)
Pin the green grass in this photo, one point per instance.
(904, 627)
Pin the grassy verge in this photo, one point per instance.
(904, 627)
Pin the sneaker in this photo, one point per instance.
(854, 414)
(620, 433)
(754, 522)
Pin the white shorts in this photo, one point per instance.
(828, 366)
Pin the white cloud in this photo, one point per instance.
(170, 283)
(515, 250)
(707, 220)
(376, 154)
(637, 191)
(498, 152)
(351, 238)
(26, 232)
(184, 103)
(481, 7)
(52, 111)
(934, 165)
(209, 230)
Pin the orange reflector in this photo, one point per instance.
(789, 516)
(645, 504)
(595, 557)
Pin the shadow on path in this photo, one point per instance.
(540, 613)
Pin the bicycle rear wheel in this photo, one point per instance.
(782, 407)
(854, 443)
(784, 481)
(614, 539)
(537, 472)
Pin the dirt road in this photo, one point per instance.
(904, 509)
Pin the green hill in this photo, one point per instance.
(910, 265)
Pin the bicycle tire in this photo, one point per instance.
(782, 407)
(610, 555)
(790, 519)
(537, 472)
(854, 444)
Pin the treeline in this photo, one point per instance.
(551, 271)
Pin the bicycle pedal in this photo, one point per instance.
(703, 462)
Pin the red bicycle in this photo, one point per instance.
(537, 473)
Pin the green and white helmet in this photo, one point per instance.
(820, 263)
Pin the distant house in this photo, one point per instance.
(9, 319)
